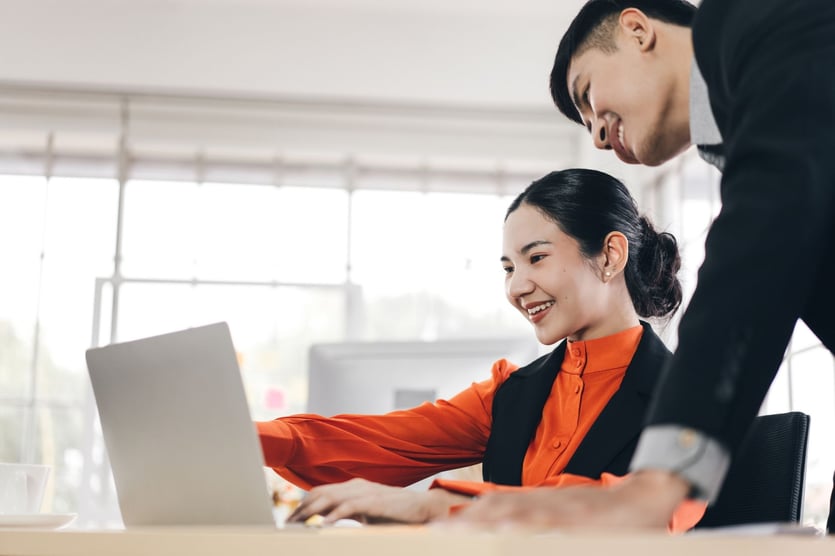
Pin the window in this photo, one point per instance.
(234, 231)
(439, 276)
(286, 267)
(59, 234)
(132, 215)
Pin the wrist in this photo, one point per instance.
(666, 485)
(699, 459)
(441, 500)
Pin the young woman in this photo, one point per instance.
(581, 265)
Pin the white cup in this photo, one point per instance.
(22, 487)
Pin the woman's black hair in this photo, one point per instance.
(588, 205)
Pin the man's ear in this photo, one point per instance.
(615, 255)
(637, 28)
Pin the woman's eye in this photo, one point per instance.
(508, 269)
(536, 258)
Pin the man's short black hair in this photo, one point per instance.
(591, 17)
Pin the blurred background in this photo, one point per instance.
(310, 171)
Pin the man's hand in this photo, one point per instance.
(375, 503)
(646, 499)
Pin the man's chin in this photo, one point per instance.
(657, 157)
(627, 159)
(652, 163)
(651, 159)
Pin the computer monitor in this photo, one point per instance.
(378, 377)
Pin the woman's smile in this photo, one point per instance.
(538, 311)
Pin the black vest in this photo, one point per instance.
(611, 441)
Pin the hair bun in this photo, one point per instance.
(649, 237)
(658, 264)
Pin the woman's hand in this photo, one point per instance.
(375, 503)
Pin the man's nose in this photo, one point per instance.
(600, 134)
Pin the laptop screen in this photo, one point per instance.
(178, 431)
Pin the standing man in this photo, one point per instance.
(752, 84)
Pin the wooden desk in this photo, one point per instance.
(388, 541)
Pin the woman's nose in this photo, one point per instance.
(519, 285)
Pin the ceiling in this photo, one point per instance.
(560, 8)
(485, 53)
(465, 63)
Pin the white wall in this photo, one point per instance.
(398, 50)
(454, 78)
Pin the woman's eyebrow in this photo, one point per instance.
(524, 250)
(533, 244)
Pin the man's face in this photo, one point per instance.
(626, 100)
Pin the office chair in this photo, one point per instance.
(765, 480)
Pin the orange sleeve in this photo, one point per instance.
(686, 516)
(397, 448)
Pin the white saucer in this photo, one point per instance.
(35, 521)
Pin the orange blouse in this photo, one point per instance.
(402, 447)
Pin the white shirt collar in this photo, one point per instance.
(703, 128)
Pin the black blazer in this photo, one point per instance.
(609, 444)
(769, 66)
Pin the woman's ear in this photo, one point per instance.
(615, 255)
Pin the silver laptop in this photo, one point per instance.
(177, 428)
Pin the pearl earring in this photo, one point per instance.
(608, 273)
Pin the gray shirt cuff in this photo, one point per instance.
(690, 454)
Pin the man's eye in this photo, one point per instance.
(584, 98)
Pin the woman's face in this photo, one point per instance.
(548, 279)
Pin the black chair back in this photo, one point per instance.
(765, 480)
